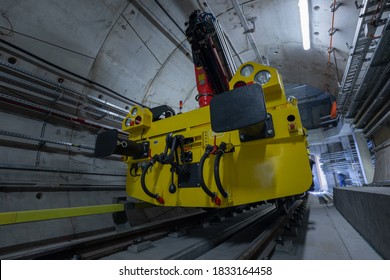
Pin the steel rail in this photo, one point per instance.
(266, 241)
(208, 244)
(102, 245)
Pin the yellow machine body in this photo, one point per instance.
(251, 171)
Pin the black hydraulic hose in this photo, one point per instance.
(166, 158)
(70, 72)
(146, 190)
(221, 152)
(143, 184)
(168, 141)
(206, 154)
(171, 156)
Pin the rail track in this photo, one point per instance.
(245, 233)
(249, 232)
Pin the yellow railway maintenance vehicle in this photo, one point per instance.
(248, 145)
(244, 144)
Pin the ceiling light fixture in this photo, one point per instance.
(304, 13)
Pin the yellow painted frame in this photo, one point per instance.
(257, 170)
(7, 218)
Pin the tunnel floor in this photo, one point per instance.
(325, 235)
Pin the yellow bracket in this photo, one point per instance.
(7, 218)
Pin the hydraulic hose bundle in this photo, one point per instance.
(213, 195)
(169, 156)
(145, 189)
(220, 153)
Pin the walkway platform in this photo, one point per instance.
(367, 209)
(325, 235)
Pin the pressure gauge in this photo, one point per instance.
(246, 70)
(127, 122)
(134, 111)
(262, 77)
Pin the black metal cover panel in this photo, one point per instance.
(238, 108)
(190, 179)
(106, 143)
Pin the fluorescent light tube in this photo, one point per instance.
(304, 13)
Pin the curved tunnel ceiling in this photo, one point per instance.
(138, 48)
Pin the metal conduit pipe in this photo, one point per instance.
(20, 80)
(372, 109)
(63, 143)
(44, 109)
(40, 169)
(373, 92)
(382, 146)
(62, 188)
(376, 126)
(65, 101)
(74, 101)
(70, 72)
(250, 36)
(364, 87)
(106, 104)
(374, 119)
(63, 87)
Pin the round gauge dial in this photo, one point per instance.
(262, 77)
(134, 111)
(127, 122)
(246, 70)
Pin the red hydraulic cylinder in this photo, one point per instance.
(205, 90)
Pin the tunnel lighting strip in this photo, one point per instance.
(7, 218)
(304, 14)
